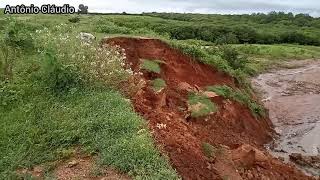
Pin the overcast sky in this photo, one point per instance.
(189, 6)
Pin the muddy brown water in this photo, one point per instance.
(293, 99)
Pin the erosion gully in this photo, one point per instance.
(293, 99)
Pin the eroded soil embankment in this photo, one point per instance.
(293, 99)
(237, 135)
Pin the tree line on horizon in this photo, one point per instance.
(260, 28)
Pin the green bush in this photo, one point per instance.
(111, 28)
(75, 19)
(18, 35)
(59, 77)
(234, 58)
(17, 39)
(10, 94)
(3, 24)
(229, 38)
(193, 50)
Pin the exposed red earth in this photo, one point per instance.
(238, 136)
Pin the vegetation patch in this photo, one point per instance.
(265, 57)
(74, 19)
(208, 150)
(211, 151)
(200, 105)
(101, 123)
(158, 84)
(271, 28)
(150, 65)
(239, 96)
(61, 94)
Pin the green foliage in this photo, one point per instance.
(192, 49)
(225, 58)
(150, 65)
(279, 52)
(233, 57)
(9, 95)
(239, 96)
(18, 35)
(38, 127)
(92, 63)
(4, 60)
(256, 28)
(158, 84)
(111, 28)
(201, 105)
(229, 38)
(265, 57)
(74, 19)
(58, 77)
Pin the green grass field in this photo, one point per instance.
(266, 57)
(41, 128)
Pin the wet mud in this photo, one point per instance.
(293, 99)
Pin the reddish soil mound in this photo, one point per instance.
(182, 137)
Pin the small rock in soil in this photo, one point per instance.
(210, 94)
(72, 163)
(247, 155)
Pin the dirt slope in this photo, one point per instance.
(237, 136)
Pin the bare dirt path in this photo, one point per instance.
(293, 99)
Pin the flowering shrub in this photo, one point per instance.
(95, 64)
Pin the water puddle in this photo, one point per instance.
(293, 99)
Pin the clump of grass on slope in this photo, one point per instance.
(224, 58)
(201, 105)
(208, 150)
(240, 97)
(189, 48)
(44, 126)
(151, 66)
(158, 84)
